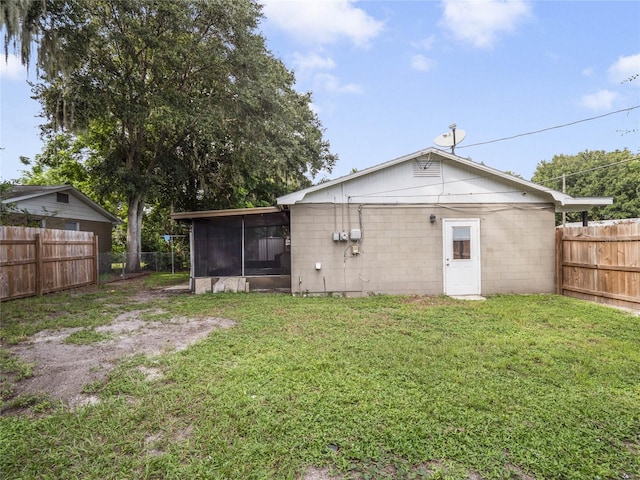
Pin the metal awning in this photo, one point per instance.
(232, 212)
(581, 204)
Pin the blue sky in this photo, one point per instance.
(387, 77)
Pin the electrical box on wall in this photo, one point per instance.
(355, 234)
(343, 236)
(336, 236)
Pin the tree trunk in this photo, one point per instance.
(134, 231)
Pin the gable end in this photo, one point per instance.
(427, 168)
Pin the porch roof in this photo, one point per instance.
(232, 212)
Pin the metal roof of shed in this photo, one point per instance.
(232, 212)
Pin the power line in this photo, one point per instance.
(588, 170)
(550, 128)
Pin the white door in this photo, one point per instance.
(461, 256)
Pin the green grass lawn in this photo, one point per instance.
(517, 387)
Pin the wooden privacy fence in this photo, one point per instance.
(34, 261)
(600, 263)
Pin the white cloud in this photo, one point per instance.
(312, 61)
(480, 21)
(323, 22)
(601, 100)
(624, 68)
(422, 63)
(11, 68)
(330, 83)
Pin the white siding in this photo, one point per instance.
(46, 205)
(399, 184)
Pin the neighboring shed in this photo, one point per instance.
(60, 207)
(425, 223)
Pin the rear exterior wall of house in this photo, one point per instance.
(401, 251)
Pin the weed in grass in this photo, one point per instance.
(36, 403)
(93, 387)
(12, 370)
(10, 364)
(166, 279)
(87, 336)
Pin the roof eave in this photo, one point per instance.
(232, 212)
(583, 204)
(46, 190)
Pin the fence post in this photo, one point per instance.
(96, 263)
(559, 259)
(173, 268)
(39, 264)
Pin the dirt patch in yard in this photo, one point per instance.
(61, 370)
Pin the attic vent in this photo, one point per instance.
(426, 168)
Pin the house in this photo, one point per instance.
(60, 207)
(425, 223)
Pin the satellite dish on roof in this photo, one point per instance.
(451, 138)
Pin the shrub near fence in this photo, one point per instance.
(34, 261)
(600, 263)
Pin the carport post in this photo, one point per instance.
(243, 246)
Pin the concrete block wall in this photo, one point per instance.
(518, 250)
(401, 251)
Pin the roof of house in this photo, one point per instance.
(562, 201)
(17, 193)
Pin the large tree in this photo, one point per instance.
(62, 161)
(65, 159)
(19, 20)
(179, 101)
(598, 174)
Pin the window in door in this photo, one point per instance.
(461, 237)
